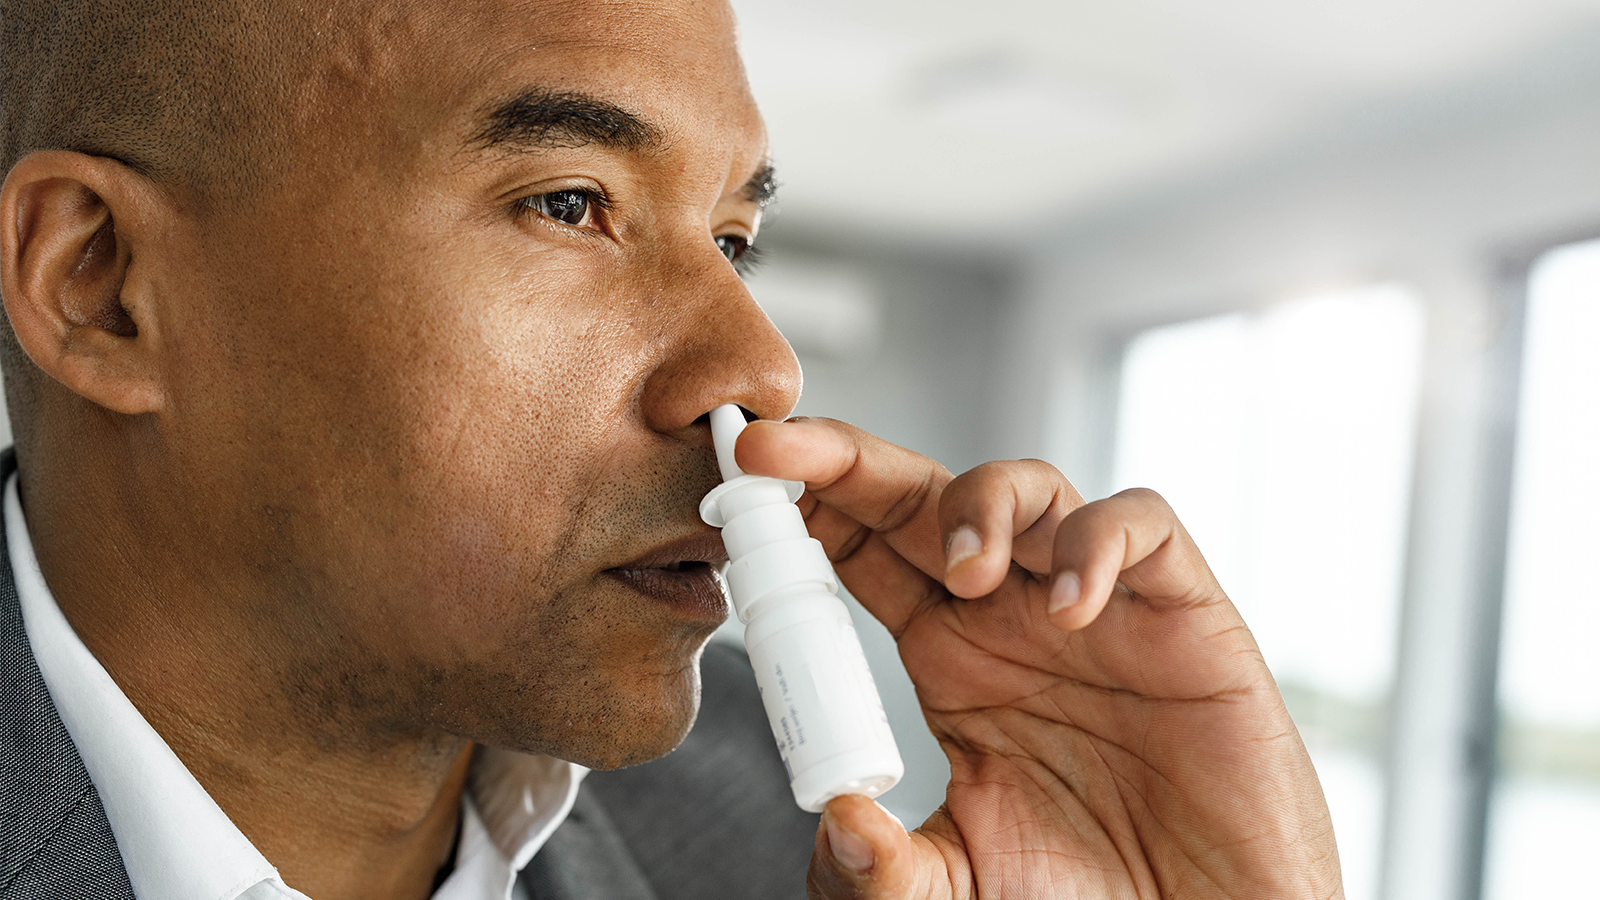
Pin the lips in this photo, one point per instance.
(682, 575)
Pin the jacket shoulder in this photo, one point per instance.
(54, 837)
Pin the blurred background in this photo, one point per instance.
(1325, 274)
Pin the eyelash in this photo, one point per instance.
(750, 260)
(744, 261)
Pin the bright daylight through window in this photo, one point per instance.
(1284, 441)
(1544, 820)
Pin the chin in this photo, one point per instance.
(647, 720)
(600, 717)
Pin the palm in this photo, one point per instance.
(1072, 747)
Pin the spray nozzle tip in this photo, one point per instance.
(726, 423)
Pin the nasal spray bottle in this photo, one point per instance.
(819, 694)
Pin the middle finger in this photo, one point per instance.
(997, 513)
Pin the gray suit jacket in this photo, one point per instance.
(714, 819)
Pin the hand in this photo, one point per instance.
(1111, 727)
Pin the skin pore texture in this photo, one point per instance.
(350, 496)
(390, 444)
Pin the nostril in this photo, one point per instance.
(705, 417)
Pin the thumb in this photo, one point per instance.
(862, 853)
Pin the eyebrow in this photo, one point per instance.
(546, 120)
(762, 188)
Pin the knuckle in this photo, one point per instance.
(850, 546)
(1144, 496)
(1007, 470)
(908, 504)
(1040, 466)
(992, 468)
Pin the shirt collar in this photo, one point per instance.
(177, 844)
(513, 803)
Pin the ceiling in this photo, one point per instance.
(956, 120)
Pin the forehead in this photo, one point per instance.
(431, 71)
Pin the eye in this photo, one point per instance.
(732, 246)
(740, 251)
(572, 207)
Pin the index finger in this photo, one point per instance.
(889, 489)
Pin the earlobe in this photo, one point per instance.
(65, 261)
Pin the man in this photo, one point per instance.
(361, 363)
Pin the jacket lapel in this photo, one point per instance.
(54, 837)
(584, 859)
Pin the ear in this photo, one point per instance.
(74, 233)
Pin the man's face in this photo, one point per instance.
(439, 395)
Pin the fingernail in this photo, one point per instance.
(849, 849)
(964, 544)
(1065, 592)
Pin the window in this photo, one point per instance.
(1284, 441)
(1545, 808)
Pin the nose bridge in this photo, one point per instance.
(721, 347)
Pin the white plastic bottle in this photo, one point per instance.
(814, 681)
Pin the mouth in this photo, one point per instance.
(681, 575)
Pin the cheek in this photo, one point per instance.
(474, 508)
(426, 437)
(446, 442)
(489, 480)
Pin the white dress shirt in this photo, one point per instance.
(178, 844)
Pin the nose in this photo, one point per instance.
(720, 348)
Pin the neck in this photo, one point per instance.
(345, 805)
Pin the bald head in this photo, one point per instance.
(407, 420)
(185, 92)
(180, 90)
